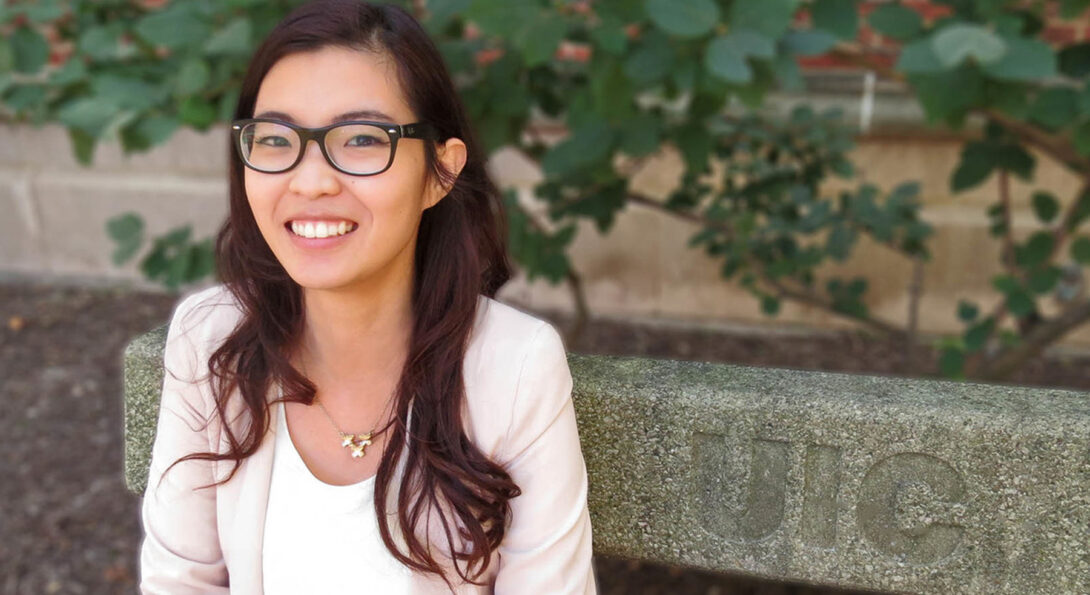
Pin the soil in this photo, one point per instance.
(70, 526)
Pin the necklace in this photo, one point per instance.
(353, 442)
(356, 443)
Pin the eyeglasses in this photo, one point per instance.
(357, 147)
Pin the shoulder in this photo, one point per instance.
(515, 367)
(205, 317)
(202, 320)
(506, 340)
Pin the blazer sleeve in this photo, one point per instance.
(180, 553)
(547, 547)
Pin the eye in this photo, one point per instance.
(273, 141)
(363, 140)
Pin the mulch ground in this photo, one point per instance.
(68, 524)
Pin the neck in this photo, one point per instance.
(357, 336)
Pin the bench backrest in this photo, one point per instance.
(852, 481)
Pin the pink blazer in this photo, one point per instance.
(519, 412)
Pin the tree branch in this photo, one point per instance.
(1009, 360)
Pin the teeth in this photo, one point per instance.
(321, 229)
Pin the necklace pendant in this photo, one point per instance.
(356, 443)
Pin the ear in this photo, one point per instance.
(452, 154)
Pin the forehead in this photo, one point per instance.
(315, 87)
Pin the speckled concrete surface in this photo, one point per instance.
(143, 370)
(853, 481)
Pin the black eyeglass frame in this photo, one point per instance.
(420, 130)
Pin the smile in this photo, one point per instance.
(321, 229)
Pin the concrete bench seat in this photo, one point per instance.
(851, 481)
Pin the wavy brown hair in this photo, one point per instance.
(460, 253)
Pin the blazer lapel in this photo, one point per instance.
(243, 502)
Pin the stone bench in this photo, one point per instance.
(850, 481)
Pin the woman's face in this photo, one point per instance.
(380, 213)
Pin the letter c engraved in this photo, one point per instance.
(905, 507)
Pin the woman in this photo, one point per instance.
(352, 409)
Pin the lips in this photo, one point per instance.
(312, 229)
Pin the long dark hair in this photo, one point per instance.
(460, 253)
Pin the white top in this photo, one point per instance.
(322, 538)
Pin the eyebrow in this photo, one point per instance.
(366, 114)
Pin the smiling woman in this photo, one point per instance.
(351, 406)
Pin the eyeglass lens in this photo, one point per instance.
(356, 148)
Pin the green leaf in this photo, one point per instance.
(610, 35)
(840, 242)
(956, 43)
(175, 27)
(7, 57)
(1036, 250)
(1080, 250)
(203, 260)
(651, 61)
(1070, 9)
(808, 42)
(234, 39)
(977, 335)
(127, 230)
(770, 17)
(588, 144)
(72, 72)
(125, 227)
(952, 362)
(501, 17)
(127, 92)
(1042, 281)
(1081, 138)
(1045, 206)
(967, 311)
(723, 59)
(787, 72)
(896, 21)
(1055, 107)
(1024, 60)
(30, 50)
(192, 78)
(640, 136)
(696, 144)
(919, 57)
(683, 18)
(1075, 60)
(837, 16)
(103, 42)
(770, 306)
(977, 163)
(83, 145)
(1020, 303)
(538, 43)
(1015, 159)
(155, 130)
(88, 114)
(197, 112)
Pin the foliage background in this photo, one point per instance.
(627, 78)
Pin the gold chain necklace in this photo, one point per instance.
(353, 442)
(356, 443)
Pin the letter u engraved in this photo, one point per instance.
(730, 502)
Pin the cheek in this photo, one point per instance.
(260, 193)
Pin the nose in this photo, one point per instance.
(314, 176)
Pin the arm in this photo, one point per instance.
(547, 548)
(180, 553)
